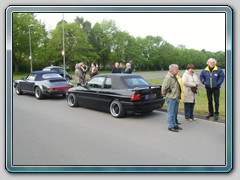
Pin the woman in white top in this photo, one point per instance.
(190, 84)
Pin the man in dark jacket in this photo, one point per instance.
(212, 77)
(116, 69)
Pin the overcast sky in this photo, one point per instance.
(193, 30)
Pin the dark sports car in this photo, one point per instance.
(120, 94)
(42, 83)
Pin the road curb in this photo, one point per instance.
(220, 119)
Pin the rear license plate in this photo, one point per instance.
(150, 96)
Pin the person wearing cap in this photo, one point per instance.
(190, 83)
(212, 77)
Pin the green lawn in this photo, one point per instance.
(19, 76)
(201, 105)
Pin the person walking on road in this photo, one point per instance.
(172, 92)
(190, 82)
(212, 77)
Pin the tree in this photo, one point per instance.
(77, 47)
(123, 48)
(103, 43)
(102, 40)
(221, 59)
(22, 22)
(85, 25)
(167, 55)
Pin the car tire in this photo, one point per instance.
(72, 100)
(18, 90)
(38, 93)
(116, 109)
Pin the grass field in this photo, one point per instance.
(201, 100)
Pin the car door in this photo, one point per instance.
(106, 94)
(27, 85)
(90, 96)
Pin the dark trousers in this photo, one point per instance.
(188, 110)
(213, 93)
(176, 119)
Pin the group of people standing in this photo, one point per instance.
(80, 72)
(117, 68)
(175, 88)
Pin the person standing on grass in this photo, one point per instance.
(172, 92)
(93, 70)
(128, 69)
(82, 75)
(77, 74)
(116, 68)
(212, 77)
(190, 82)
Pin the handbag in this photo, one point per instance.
(194, 89)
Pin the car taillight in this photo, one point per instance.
(135, 97)
(59, 88)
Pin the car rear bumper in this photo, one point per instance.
(54, 92)
(144, 106)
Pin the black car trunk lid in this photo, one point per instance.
(145, 94)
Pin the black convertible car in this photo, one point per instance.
(120, 94)
(41, 84)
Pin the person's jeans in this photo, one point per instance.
(215, 93)
(188, 110)
(172, 111)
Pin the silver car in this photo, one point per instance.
(41, 84)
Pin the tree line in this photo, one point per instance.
(102, 43)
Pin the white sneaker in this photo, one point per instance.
(189, 119)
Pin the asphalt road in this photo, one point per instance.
(49, 132)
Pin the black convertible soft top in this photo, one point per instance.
(40, 73)
(119, 80)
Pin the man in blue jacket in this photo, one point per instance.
(212, 77)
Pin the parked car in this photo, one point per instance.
(59, 70)
(42, 83)
(119, 94)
